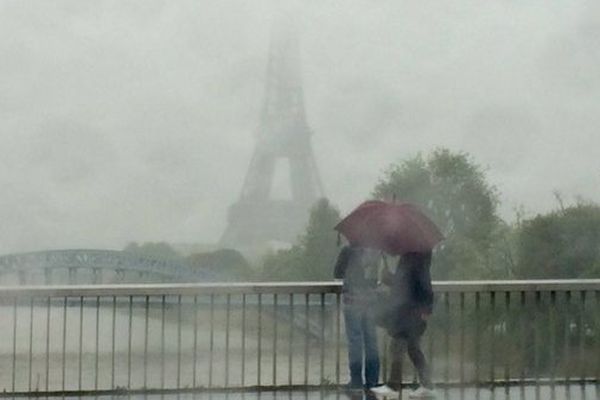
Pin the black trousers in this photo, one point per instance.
(411, 345)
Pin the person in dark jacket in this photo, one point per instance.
(357, 266)
(410, 305)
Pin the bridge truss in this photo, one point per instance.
(88, 266)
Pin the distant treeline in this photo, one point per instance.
(455, 193)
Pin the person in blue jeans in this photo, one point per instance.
(357, 266)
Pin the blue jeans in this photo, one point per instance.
(362, 344)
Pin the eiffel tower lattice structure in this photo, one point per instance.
(283, 134)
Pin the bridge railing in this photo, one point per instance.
(103, 338)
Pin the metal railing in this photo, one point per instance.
(103, 338)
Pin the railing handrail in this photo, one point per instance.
(533, 285)
(285, 288)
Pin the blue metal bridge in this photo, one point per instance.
(87, 266)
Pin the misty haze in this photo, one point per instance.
(136, 121)
(354, 199)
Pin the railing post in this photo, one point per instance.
(505, 333)
(537, 320)
(291, 341)
(227, 326)
(178, 368)
(212, 341)
(14, 342)
(477, 340)
(517, 326)
(243, 377)
(129, 338)
(80, 371)
(567, 354)
(306, 338)
(338, 318)
(275, 317)
(97, 361)
(146, 322)
(195, 345)
(553, 327)
(493, 339)
(462, 343)
(48, 344)
(113, 331)
(582, 315)
(30, 345)
(322, 339)
(259, 344)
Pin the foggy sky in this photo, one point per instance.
(135, 120)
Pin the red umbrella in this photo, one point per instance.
(396, 228)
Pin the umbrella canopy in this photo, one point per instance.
(396, 228)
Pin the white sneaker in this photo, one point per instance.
(422, 393)
(384, 391)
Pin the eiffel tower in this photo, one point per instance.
(283, 134)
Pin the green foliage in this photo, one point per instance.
(563, 244)
(225, 264)
(502, 258)
(153, 249)
(313, 257)
(453, 191)
(284, 265)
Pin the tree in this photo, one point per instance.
(453, 191)
(313, 256)
(224, 264)
(154, 249)
(562, 244)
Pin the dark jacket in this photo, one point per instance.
(410, 296)
(411, 284)
(350, 266)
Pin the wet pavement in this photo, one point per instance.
(573, 392)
